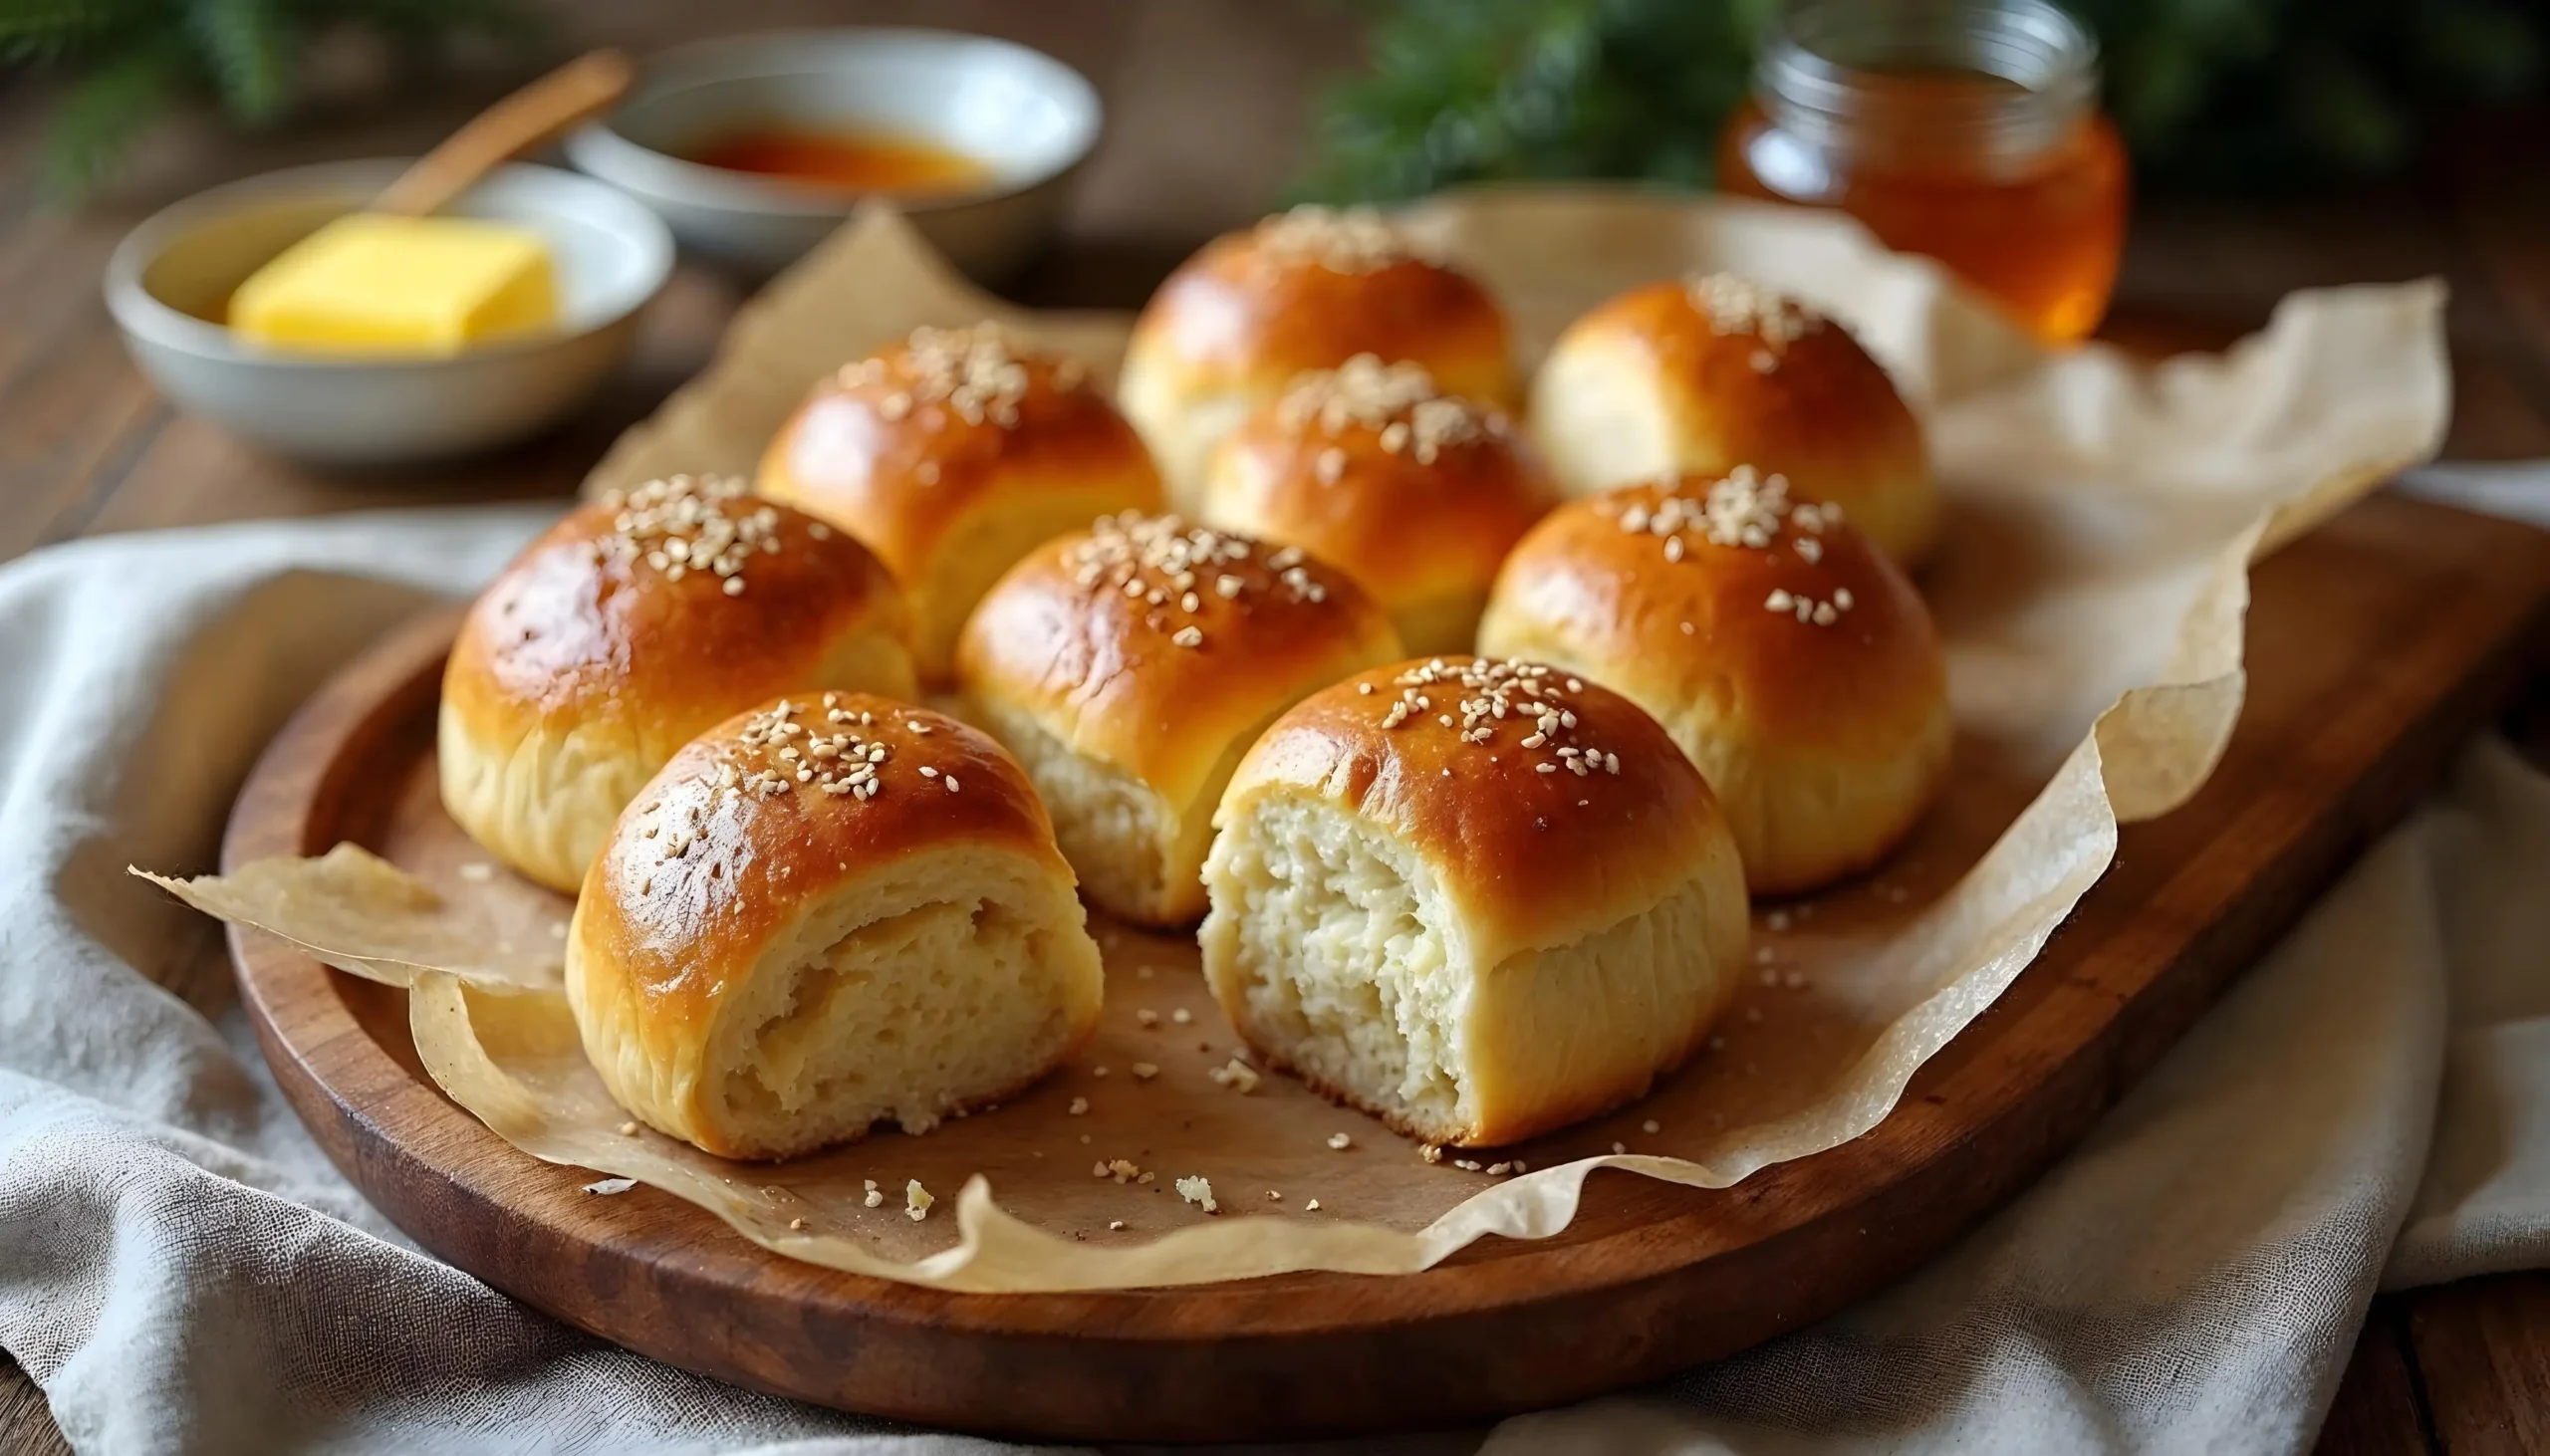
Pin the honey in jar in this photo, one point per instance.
(1964, 130)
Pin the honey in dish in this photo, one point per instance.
(847, 160)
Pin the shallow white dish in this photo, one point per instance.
(169, 283)
(1028, 117)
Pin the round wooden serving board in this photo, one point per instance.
(1650, 1278)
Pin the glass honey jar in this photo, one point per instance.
(1964, 130)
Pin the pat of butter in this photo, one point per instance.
(374, 284)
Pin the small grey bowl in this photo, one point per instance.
(170, 279)
(1028, 117)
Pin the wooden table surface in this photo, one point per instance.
(1206, 105)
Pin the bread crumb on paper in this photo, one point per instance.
(608, 1186)
(1199, 1191)
(875, 1197)
(917, 1200)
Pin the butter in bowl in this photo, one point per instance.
(375, 313)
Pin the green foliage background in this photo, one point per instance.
(2208, 93)
(131, 60)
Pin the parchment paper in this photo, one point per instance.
(2103, 516)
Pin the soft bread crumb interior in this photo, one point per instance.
(1109, 825)
(1332, 935)
(904, 997)
(1338, 952)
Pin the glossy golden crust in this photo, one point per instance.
(727, 880)
(1239, 316)
(1418, 498)
(1532, 854)
(702, 871)
(1234, 323)
(1130, 664)
(1725, 392)
(594, 646)
(949, 469)
(1847, 701)
(1155, 684)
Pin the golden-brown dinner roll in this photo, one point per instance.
(1706, 374)
(1415, 493)
(952, 454)
(1476, 898)
(1130, 665)
(1307, 289)
(830, 912)
(1792, 661)
(629, 627)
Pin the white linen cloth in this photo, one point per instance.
(181, 1270)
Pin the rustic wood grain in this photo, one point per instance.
(26, 1422)
(2379, 1410)
(2453, 607)
(2484, 1352)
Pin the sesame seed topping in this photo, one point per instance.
(778, 750)
(973, 374)
(687, 523)
(1741, 305)
(1488, 692)
(1745, 510)
(1160, 560)
(1398, 402)
(1341, 240)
